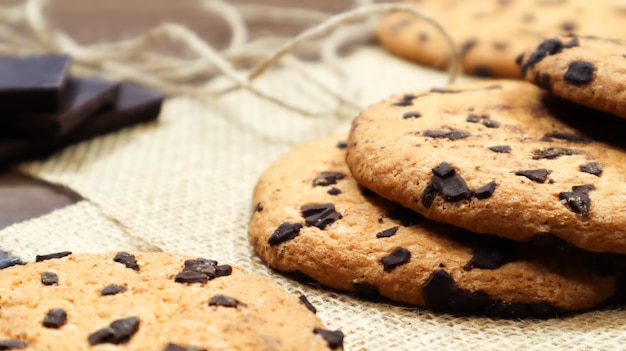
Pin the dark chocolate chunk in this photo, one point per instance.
(578, 199)
(134, 105)
(55, 318)
(579, 72)
(82, 98)
(223, 270)
(536, 175)
(405, 216)
(49, 278)
(454, 189)
(12, 344)
(202, 266)
(307, 304)
(546, 48)
(366, 289)
(327, 178)
(333, 191)
(467, 46)
(397, 257)
(127, 260)
(112, 289)
(443, 170)
(411, 114)
(519, 59)
(342, 145)
(502, 149)
(572, 138)
(489, 123)
(441, 293)
(118, 332)
(51, 256)
(319, 215)
(552, 153)
(407, 100)
(191, 277)
(485, 191)
(258, 207)
(430, 192)
(473, 118)
(387, 232)
(491, 254)
(284, 232)
(174, 347)
(450, 135)
(224, 301)
(33, 82)
(333, 338)
(594, 168)
(543, 80)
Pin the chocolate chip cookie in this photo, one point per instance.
(311, 217)
(490, 34)
(150, 301)
(498, 157)
(587, 70)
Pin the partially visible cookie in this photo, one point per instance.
(150, 301)
(498, 157)
(490, 34)
(587, 70)
(310, 216)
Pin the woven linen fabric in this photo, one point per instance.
(184, 184)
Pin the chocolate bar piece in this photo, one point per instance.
(32, 83)
(134, 105)
(82, 98)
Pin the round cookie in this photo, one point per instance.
(150, 301)
(498, 157)
(490, 34)
(311, 217)
(587, 70)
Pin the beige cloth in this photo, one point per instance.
(184, 184)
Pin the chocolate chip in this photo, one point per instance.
(223, 270)
(55, 318)
(118, 332)
(440, 293)
(307, 304)
(473, 118)
(485, 191)
(202, 266)
(397, 257)
(49, 278)
(491, 124)
(333, 191)
(536, 175)
(327, 178)
(333, 338)
(572, 138)
(61, 254)
(546, 48)
(443, 170)
(112, 289)
(578, 199)
(320, 215)
(450, 135)
(12, 344)
(502, 149)
(569, 26)
(190, 277)
(258, 207)
(433, 188)
(492, 254)
(543, 80)
(366, 289)
(594, 168)
(411, 114)
(552, 153)
(224, 301)
(579, 72)
(175, 347)
(284, 232)
(519, 59)
(387, 232)
(405, 216)
(454, 189)
(127, 260)
(467, 46)
(407, 100)
(342, 145)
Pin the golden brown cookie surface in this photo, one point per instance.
(491, 33)
(312, 217)
(150, 301)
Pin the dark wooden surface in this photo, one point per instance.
(23, 198)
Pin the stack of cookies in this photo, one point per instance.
(497, 197)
